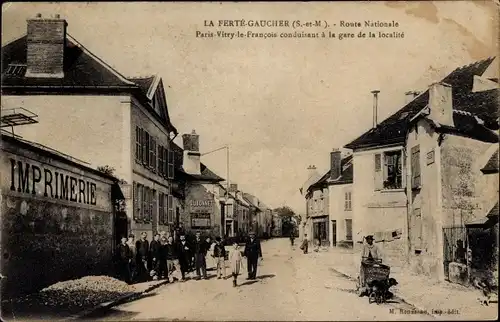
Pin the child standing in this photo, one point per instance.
(235, 257)
(219, 253)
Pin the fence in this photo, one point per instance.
(455, 243)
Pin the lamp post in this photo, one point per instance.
(226, 147)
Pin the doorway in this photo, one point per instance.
(120, 227)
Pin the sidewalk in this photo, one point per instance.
(140, 290)
(455, 301)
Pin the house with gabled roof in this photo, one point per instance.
(329, 200)
(90, 111)
(416, 171)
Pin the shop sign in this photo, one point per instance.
(200, 220)
(32, 178)
(204, 205)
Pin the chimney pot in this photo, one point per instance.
(58, 16)
(375, 107)
(335, 164)
(441, 103)
(39, 15)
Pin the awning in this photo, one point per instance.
(116, 192)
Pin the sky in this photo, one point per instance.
(280, 104)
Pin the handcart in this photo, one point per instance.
(371, 270)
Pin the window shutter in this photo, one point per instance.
(134, 195)
(170, 209)
(137, 143)
(378, 177)
(165, 162)
(153, 159)
(154, 209)
(170, 164)
(415, 167)
(160, 208)
(160, 159)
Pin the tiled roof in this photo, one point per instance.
(83, 72)
(492, 164)
(345, 178)
(393, 129)
(81, 69)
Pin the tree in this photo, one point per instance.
(289, 220)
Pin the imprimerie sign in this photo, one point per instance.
(29, 178)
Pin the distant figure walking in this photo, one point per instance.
(236, 259)
(252, 252)
(305, 244)
(292, 237)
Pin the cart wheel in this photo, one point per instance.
(372, 298)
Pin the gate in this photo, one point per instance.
(455, 245)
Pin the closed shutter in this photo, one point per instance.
(145, 203)
(134, 196)
(138, 147)
(348, 229)
(165, 162)
(161, 210)
(160, 160)
(379, 175)
(415, 167)
(170, 164)
(153, 159)
(170, 209)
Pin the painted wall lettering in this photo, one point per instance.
(55, 185)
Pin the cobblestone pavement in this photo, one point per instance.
(290, 286)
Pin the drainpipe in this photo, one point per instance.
(375, 107)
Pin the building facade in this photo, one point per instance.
(90, 111)
(53, 207)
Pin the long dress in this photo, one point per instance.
(235, 258)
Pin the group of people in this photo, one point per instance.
(164, 258)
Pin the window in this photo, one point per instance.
(152, 205)
(388, 170)
(145, 204)
(415, 167)
(170, 218)
(161, 208)
(416, 229)
(348, 229)
(138, 201)
(347, 201)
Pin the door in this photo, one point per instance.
(334, 233)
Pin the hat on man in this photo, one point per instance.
(251, 233)
(369, 237)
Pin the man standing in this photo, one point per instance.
(172, 260)
(305, 244)
(163, 273)
(369, 255)
(142, 246)
(155, 253)
(292, 236)
(132, 262)
(124, 258)
(252, 252)
(200, 253)
(184, 255)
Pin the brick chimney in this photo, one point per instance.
(335, 164)
(191, 162)
(46, 40)
(441, 103)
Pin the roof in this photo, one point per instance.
(346, 176)
(393, 129)
(144, 83)
(84, 72)
(206, 173)
(488, 221)
(493, 211)
(492, 164)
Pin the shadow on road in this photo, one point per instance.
(111, 312)
(265, 276)
(248, 282)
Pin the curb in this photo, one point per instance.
(397, 297)
(107, 305)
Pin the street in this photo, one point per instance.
(290, 286)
